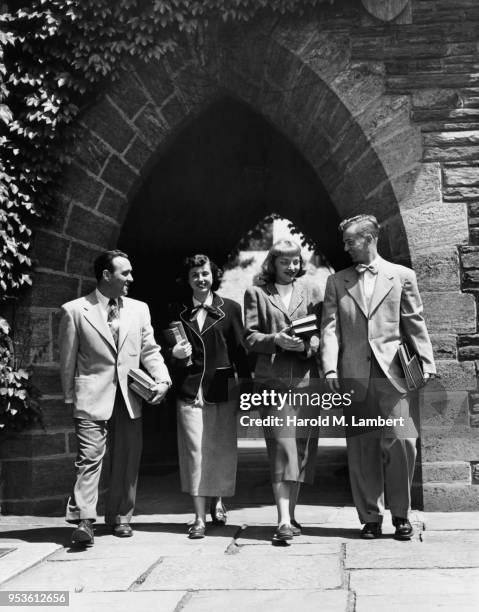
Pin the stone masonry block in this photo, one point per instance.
(118, 175)
(127, 94)
(80, 186)
(51, 290)
(92, 228)
(446, 471)
(461, 176)
(419, 186)
(114, 205)
(81, 259)
(92, 152)
(450, 312)
(50, 250)
(436, 227)
(27, 445)
(47, 380)
(440, 407)
(151, 127)
(438, 270)
(450, 497)
(107, 123)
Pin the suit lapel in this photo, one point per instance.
(212, 321)
(382, 287)
(274, 298)
(185, 317)
(352, 284)
(94, 315)
(296, 299)
(125, 322)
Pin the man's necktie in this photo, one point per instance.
(214, 312)
(361, 268)
(114, 319)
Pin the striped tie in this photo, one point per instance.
(114, 319)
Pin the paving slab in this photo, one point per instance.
(125, 601)
(276, 572)
(390, 553)
(399, 583)
(264, 601)
(451, 521)
(23, 557)
(85, 574)
(425, 603)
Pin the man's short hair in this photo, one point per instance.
(105, 262)
(368, 224)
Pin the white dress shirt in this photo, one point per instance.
(285, 293)
(368, 282)
(201, 316)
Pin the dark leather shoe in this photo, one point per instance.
(404, 530)
(296, 527)
(83, 534)
(197, 530)
(122, 530)
(283, 533)
(218, 513)
(370, 531)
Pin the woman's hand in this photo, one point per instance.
(182, 350)
(289, 343)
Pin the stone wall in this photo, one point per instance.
(387, 116)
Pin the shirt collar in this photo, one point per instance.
(103, 299)
(207, 302)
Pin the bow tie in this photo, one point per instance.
(214, 312)
(361, 268)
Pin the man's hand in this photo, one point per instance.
(332, 381)
(289, 343)
(160, 390)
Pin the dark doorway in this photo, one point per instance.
(223, 173)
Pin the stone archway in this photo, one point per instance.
(329, 97)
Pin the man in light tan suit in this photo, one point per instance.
(102, 336)
(368, 310)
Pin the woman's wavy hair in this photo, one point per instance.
(195, 261)
(280, 248)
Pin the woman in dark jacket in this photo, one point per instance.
(285, 363)
(207, 438)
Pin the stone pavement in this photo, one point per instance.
(235, 568)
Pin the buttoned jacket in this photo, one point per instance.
(92, 366)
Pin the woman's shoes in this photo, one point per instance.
(218, 513)
(283, 533)
(197, 530)
(295, 527)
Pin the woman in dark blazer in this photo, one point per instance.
(207, 438)
(283, 363)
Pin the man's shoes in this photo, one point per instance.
(83, 534)
(197, 530)
(122, 530)
(218, 513)
(371, 531)
(283, 533)
(404, 528)
(295, 527)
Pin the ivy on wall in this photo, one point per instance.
(54, 56)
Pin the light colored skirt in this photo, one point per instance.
(207, 448)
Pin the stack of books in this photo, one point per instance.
(411, 367)
(304, 326)
(141, 383)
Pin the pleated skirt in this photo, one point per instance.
(207, 448)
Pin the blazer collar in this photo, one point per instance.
(94, 313)
(210, 321)
(296, 298)
(381, 288)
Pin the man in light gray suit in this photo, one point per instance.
(368, 310)
(102, 336)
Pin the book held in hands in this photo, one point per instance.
(141, 383)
